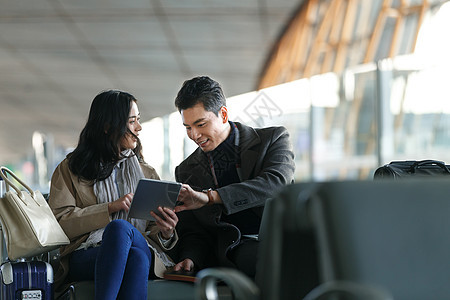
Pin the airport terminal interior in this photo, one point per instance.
(357, 83)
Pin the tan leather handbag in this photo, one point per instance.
(28, 223)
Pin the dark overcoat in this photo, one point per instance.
(267, 164)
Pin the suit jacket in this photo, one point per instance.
(75, 206)
(267, 164)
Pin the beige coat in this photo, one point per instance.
(75, 206)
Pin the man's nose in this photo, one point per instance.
(195, 134)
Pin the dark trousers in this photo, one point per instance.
(245, 256)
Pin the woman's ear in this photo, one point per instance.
(224, 114)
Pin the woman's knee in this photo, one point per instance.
(117, 226)
(121, 234)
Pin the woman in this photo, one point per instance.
(90, 194)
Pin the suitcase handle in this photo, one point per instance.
(430, 162)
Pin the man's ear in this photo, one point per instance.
(224, 114)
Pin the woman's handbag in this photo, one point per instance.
(28, 223)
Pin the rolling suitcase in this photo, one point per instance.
(26, 280)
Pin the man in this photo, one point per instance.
(226, 181)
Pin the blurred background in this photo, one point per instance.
(357, 83)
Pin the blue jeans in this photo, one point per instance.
(120, 266)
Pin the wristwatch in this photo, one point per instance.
(210, 196)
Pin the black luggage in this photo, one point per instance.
(26, 280)
(406, 169)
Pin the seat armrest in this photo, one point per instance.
(240, 285)
(358, 290)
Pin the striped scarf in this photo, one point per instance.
(123, 180)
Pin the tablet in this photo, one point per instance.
(150, 194)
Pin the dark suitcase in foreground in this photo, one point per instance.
(26, 280)
(409, 168)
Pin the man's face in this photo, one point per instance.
(205, 128)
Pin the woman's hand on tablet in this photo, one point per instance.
(123, 203)
(167, 224)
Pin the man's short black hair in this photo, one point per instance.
(201, 89)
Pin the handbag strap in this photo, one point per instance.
(9, 183)
(428, 162)
(1, 177)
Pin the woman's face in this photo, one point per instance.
(129, 141)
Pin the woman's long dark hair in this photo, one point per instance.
(98, 149)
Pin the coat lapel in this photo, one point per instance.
(199, 171)
(248, 139)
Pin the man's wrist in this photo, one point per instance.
(209, 193)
